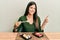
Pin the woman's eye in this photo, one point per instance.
(32, 8)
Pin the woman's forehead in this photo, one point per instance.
(32, 6)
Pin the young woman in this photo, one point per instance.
(30, 21)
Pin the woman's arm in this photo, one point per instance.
(16, 26)
(44, 23)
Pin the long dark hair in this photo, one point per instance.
(35, 14)
(27, 10)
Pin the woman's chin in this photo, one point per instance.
(31, 13)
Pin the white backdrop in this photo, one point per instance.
(11, 10)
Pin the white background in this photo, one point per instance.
(11, 10)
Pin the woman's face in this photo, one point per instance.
(32, 9)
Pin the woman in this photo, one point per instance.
(32, 20)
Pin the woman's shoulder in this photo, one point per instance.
(38, 17)
(22, 18)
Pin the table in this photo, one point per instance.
(14, 36)
(8, 35)
(53, 35)
(33, 37)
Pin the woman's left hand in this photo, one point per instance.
(45, 22)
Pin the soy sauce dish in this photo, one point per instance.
(39, 35)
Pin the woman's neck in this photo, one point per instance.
(30, 16)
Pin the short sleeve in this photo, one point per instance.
(20, 18)
(20, 28)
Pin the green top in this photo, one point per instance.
(27, 27)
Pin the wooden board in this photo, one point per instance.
(33, 37)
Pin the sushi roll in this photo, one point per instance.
(26, 37)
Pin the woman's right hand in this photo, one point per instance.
(17, 24)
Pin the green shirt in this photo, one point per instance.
(27, 27)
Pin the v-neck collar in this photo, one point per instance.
(28, 22)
